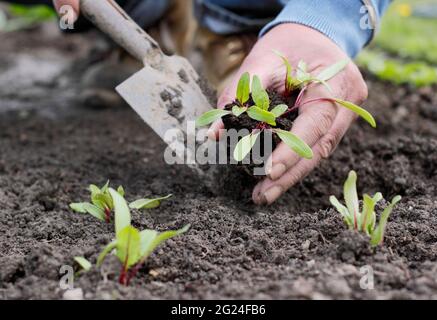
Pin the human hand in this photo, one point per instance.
(320, 124)
(72, 3)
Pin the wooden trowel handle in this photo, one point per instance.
(109, 17)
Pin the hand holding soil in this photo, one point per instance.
(321, 125)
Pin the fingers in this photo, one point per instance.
(268, 191)
(312, 124)
(74, 4)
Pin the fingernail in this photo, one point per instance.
(277, 171)
(272, 194)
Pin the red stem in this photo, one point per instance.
(107, 215)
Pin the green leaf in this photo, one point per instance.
(111, 246)
(295, 143)
(243, 89)
(100, 200)
(244, 146)
(148, 203)
(351, 196)
(238, 111)
(261, 115)
(147, 237)
(151, 239)
(211, 116)
(279, 110)
(83, 263)
(128, 246)
(259, 95)
(78, 207)
(120, 190)
(378, 234)
(122, 212)
(289, 81)
(332, 70)
(94, 189)
(358, 110)
(95, 211)
(301, 73)
(342, 210)
(366, 216)
(105, 187)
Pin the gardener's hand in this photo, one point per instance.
(74, 4)
(321, 125)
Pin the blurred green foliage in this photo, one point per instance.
(18, 17)
(405, 49)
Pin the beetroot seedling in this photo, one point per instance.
(131, 246)
(364, 220)
(101, 204)
(274, 117)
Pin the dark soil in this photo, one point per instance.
(285, 122)
(52, 148)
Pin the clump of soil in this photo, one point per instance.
(285, 122)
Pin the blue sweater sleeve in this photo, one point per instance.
(349, 23)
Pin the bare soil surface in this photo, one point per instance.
(51, 148)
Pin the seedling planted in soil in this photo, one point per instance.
(132, 247)
(259, 110)
(102, 204)
(365, 220)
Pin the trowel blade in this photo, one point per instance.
(167, 97)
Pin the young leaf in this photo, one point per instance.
(289, 81)
(111, 246)
(368, 211)
(128, 246)
(151, 239)
(83, 263)
(85, 207)
(105, 187)
(342, 210)
(279, 110)
(211, 116)
(378, 234)
(332, 70)
(78, 207)
(148, 203)
(120, 190)
(259, 95)
(244, 146)
(295, 143)
(243, 89)
(261, 115)
(301, 73)
(238, 111)
(122, 212)
(351, 196)
(358, 110)
(94, 190)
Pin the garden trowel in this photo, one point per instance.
(166, 92)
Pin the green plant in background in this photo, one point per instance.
(131, 246)
(364, 220)
(102, 204)
(394, 70)
(23, 16)
(408, 33)
(255, 102)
